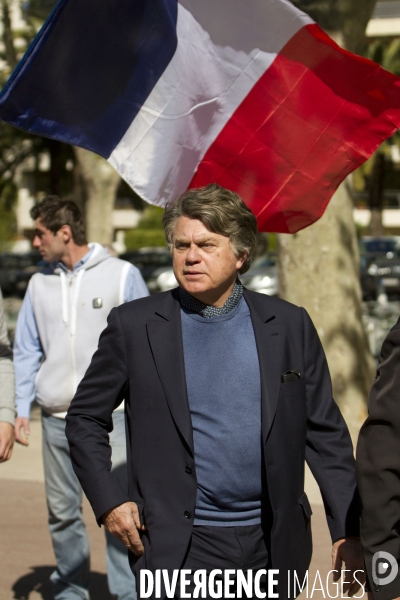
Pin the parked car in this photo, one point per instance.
(164, 280)
(380, 245)
(384, 276)
(151, 262)
(23, 276)
(17, 269)
(368, 282)
(262, 276)
(379, 259)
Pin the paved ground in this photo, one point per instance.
(26, 557)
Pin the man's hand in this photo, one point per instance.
(348, 551)
(123, 522)
(22, 423)
(6, 440)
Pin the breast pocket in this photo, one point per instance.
(293, 388)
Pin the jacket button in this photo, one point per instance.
(187, 514)
(188, 470)
(377, 588)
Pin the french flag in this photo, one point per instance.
(250, 94)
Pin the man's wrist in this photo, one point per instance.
(7, 415)
(23, 410)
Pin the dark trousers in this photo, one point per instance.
(234, 548)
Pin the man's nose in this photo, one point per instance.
(192, 255)
(36, 242)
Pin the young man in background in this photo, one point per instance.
(63, 313)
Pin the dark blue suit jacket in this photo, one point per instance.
(378, 466)
(140, 358)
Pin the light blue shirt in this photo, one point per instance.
(28, 351)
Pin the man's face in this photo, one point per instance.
(51, 246)
(204, 262)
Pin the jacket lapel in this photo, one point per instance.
(165, 337)
(269, 334)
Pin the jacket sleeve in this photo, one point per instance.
(7, 387)
(378, 465)
(329, 450)
(89, 419)
(28, 353)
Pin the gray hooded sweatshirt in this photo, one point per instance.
(71, 310)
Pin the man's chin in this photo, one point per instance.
(194, 286)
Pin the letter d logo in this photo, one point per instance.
(384, 568)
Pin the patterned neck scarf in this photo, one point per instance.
(188, 301)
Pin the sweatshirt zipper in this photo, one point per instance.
(70, 285)
(70, 334)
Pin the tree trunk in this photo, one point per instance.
(79, 186)
(376, 227)
(55, 166)
(356, 15)
(344, 20)
(101, 183)
(8, 40)
(375, 199)
(319, 269)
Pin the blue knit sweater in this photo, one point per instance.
(224, 391)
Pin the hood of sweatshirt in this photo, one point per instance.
(97, 256)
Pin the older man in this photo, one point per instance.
(227, 393)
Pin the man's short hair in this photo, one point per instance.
(222, 212)
(55, 212)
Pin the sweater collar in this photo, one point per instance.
(191, 303)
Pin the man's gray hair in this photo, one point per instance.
(221, 211)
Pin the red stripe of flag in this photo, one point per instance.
(316, 114)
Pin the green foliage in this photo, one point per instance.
(385, 52)
(391, 60)
(360, 230)
(39, 9)
(8, 224)
(272, 242)
(149, 232)
(152, 218)
(142, 238)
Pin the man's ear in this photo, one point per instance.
(66, 233)
(240, 260)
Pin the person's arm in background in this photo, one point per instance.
(135, 286)
(7, 391)
(28, 353)
(378, 470)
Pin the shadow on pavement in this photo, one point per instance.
(38, 580)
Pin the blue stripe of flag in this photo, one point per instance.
(90, 69)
